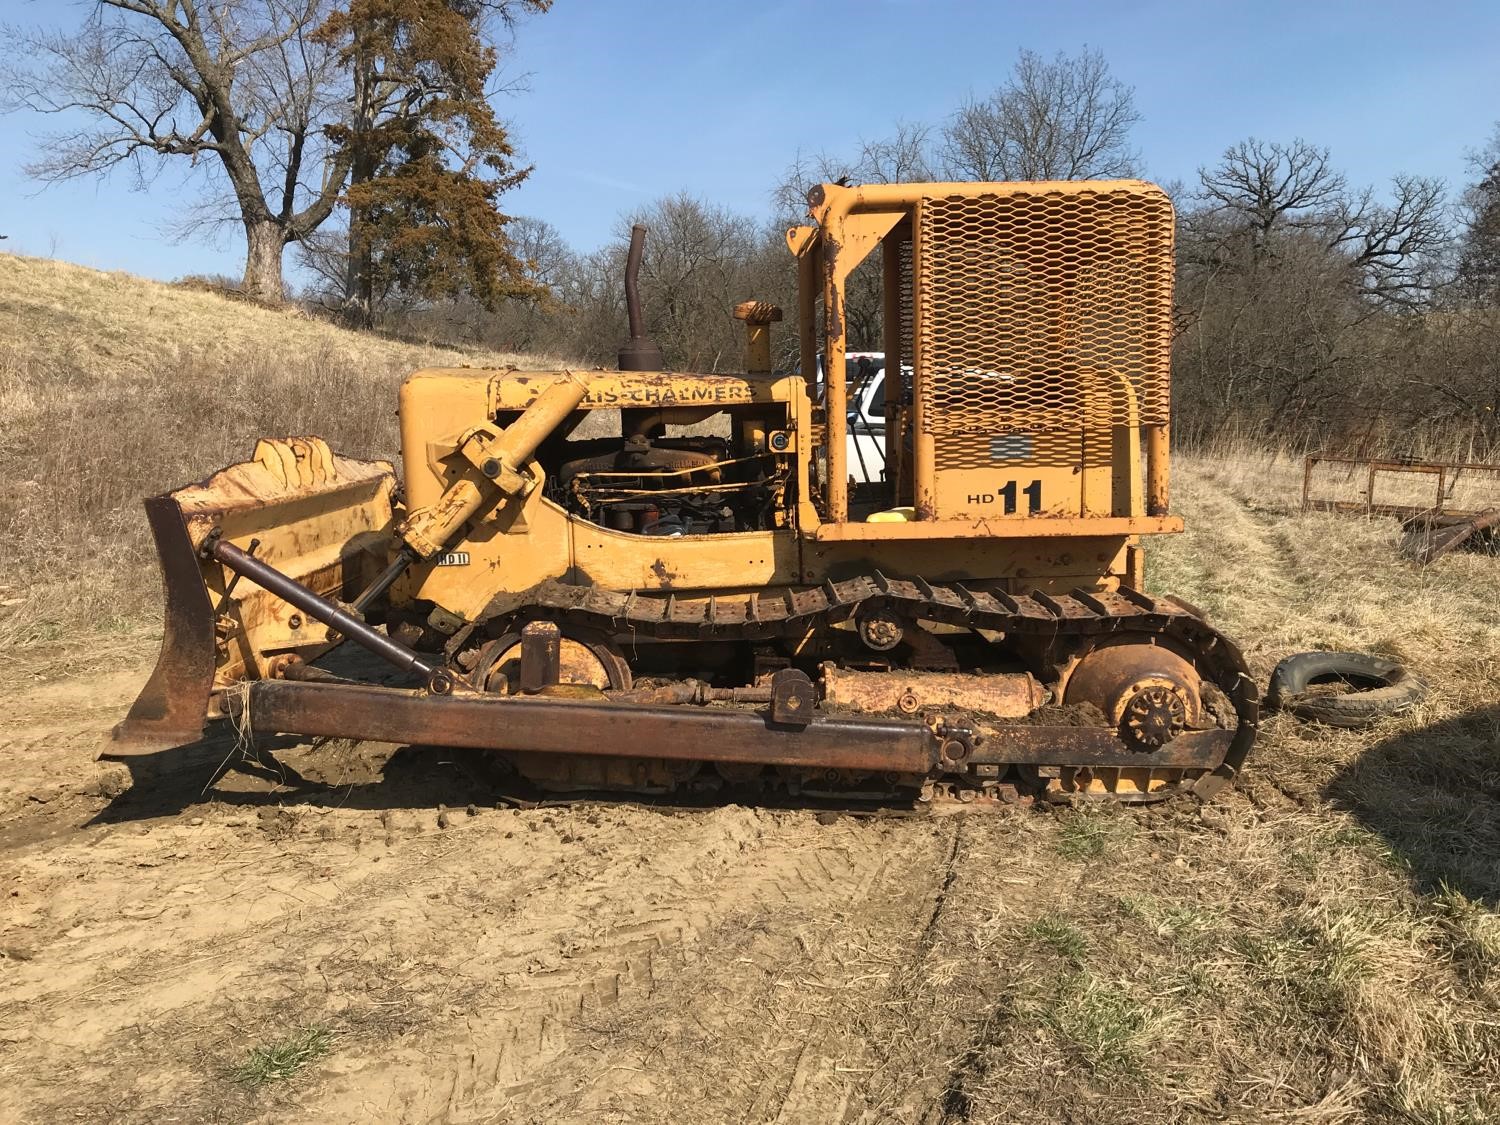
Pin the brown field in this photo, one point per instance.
(352, 933)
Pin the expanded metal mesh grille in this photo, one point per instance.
(1041, 314)
(904, 253)
(986, 450)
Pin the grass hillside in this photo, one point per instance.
(113, 388)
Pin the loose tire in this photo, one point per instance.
(1383, 688)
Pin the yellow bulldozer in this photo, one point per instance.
(650, 580)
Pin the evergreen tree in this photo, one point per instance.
(428, 158)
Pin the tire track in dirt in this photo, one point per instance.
(815, 1091)
(101, 902)
(746, 994)
(1258, 574)
(461, 968)
(617, 965)
(859, 1003)
(582, 963)
(526, 931)
(1290, 568)
(1003, 874)
(1274, 530)
(475, 974)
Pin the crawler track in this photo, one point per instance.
(1054, 622)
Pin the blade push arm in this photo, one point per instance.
(499, 462)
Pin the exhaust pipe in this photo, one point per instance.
(640, 352)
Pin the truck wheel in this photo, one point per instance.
(1379, 688)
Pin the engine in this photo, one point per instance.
(669, 486)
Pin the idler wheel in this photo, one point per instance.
(1147, 692)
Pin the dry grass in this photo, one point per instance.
(113, 388)
(1323, 945)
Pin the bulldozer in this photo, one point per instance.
(656, 581)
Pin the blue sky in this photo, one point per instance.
(631, 100)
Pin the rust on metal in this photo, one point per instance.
(541, 656)
(1156, 625)
(583, 658)
(319, 517)
(1003, 695)
(758, 313)
(1445, 474)
(694, 691)
(540, 724)
(758, 317)
(172, 707)
(1094, 747)
(639, 353)
(1147, 693)
(321, 609)
(880, 629)
(1155, 715)
(792, 697)
(1448, 532)
(292, 667)
(1158, 473)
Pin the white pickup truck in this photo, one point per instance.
(864, 374)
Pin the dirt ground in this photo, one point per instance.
(1320, 946)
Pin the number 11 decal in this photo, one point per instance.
(1032, 492)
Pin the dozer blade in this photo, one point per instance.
(171, 708)
(322, 519)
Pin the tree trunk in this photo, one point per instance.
(265, 241)
(359, 288)
(359, 303)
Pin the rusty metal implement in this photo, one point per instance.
(1442, 505)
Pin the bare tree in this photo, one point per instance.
(1262, 186)
(1066, 118)
(543, 250)
(239, 83)
(903, 157)
(1396, 248)
(690, 277)
(1297, 293)
(1261, 192)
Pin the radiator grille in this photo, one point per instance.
(988, 450)
(906, 301)
(1045, 313)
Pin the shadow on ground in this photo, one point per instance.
(1433, 794)
(220, 767)
(285, 771)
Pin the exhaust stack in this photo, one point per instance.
(639, 353)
